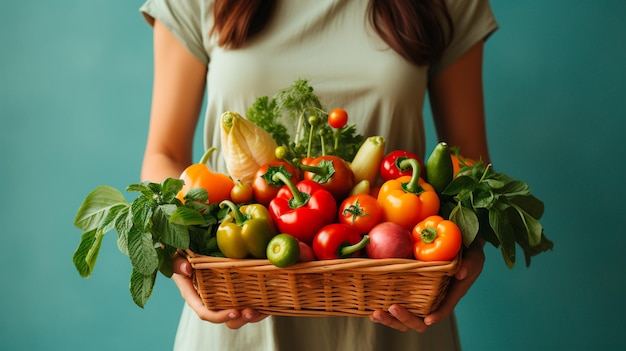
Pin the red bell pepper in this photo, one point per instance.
(331, 172)
(302, 209)
(338, 240)
(391, 168)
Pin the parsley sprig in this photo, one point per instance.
(297, 104)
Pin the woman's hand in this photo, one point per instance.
(400, 318)
(233, 318)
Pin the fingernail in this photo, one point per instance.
(428, 321)
(394, 311)
(232, 315)
(249, 315)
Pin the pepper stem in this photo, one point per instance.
(348, 250)
(207, 154)
(413, 185)
(299, 198)
(428, 235)
(240, 218)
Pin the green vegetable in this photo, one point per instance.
(295, 105)
(497, 208)
(246, 231)
(283, 250)
(150, 229)
(439, 169)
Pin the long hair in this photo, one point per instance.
(418, 30)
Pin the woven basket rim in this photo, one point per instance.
(385, 265)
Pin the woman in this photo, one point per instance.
(375, 59)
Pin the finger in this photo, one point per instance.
(388, 319)
(407, 318)
(463, 280)
(190, 295)
(181, 265)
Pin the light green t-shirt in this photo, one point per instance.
(332, 45)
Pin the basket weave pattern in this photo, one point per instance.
(343, 287)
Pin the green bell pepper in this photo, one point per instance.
(246, 231)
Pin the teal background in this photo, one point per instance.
(75, 84)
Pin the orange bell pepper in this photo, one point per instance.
(199, 175)
(436, 239)
(407, 200)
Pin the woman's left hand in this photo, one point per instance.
(400, 318)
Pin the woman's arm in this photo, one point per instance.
(456, 96)
(178, 90)
(177, 95)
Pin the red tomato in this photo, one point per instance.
(338, 118)
(264, 189)
(362, 212)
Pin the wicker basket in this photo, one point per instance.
(345, 287)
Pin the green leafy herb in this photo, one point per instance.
(299, 105)
(497, 208)
(150, 229)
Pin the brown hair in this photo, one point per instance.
(418, 30)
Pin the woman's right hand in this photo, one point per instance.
(233, 318)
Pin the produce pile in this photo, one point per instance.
(314, 191)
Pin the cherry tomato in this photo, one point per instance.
(241, 193)
(362, 212)
(338, 118)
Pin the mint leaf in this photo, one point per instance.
(170, 188)
(95, 207)
(197, 195)
(172, 234)
(141, 251)
(187, 216)
(141, 286)
(141, 210)
(87, 251)
(123, 224)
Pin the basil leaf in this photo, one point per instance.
(142, 209)
(459, 184)
(467, 221)
(187, 216)
(170, 188)
(530, 204)
(499, 222)
(533, 228)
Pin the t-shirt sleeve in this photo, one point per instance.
(473, 21)
(189, 22)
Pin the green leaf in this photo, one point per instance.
(141, 210)
(187, 216)
(530, 204)
(499, 222)
(170, 188)
(459, 184)
(467, 221)
(141, 251)
(172, 234)
(95, 207)
(123, 224)
(197, 195)
(532, 227)
(515, 188)
(141, 286)
(165, 260)
(87, 251)
(483, 196)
